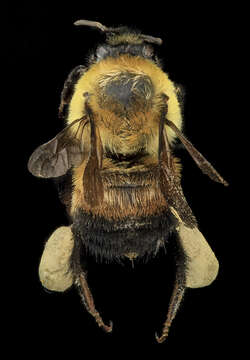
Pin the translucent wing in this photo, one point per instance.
(56, 157)
(201, 263)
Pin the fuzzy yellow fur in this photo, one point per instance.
(89, 83)
(138, 129)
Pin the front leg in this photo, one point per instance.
(80, 280)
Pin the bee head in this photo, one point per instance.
(119, 32)
(122, 40)
(122, 90)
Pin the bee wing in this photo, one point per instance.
(56, 157)
(202, 265)
(199, 159)
(64, 186)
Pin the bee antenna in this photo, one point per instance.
(106, 29)
(95, 24)
(151, 39)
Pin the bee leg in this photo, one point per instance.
(80, 279)
(172, 310)
(177, 294)
(88, 301)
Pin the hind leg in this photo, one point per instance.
(178, 291)
(80, 279)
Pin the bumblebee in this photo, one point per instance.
(122, 182)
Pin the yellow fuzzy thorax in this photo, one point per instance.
(111, 67)
(124, 134)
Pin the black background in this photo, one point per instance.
(197, 53)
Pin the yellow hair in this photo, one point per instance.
(88, 83)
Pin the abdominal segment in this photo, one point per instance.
(110, 239)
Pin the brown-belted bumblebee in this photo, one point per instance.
(121, 181)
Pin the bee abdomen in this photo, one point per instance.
(108, 239)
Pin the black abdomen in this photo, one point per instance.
(113, 239)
